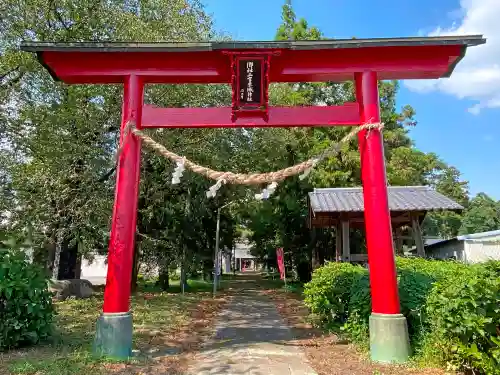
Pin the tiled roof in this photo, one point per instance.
(401, 198)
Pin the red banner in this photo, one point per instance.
(281, 262)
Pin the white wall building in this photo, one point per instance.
(469, 248)
(243, 258)
(96, 270)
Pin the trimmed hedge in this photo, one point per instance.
(26, 310)
(327, 294)
(453, 310)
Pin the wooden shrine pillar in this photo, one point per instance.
(417, 236)
(346, 246)
(338, 242)
(398, 241)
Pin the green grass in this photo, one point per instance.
(277, 283)
(69, 350)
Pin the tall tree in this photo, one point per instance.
(62, 139)
(482, 215)
(281, 221)
(446, 180)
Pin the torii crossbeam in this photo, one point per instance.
(250, 67)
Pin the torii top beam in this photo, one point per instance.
(293, 61)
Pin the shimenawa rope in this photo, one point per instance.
(243, 178)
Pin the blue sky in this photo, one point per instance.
(447, 122)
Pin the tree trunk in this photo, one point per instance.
(183, 281)
(56, 259)
(187, 215)
(304, 272)
(44, 255)
(207, 270)
(314, 249)
(67, 261)
(78, 266)
(163, 278)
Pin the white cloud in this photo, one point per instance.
(477, 76)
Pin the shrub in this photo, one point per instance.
(327, 294)
(416, 278)
(26, 310)
(452, 309)
(466, 312)
(436, 269)
(490, 268)
(359, 307)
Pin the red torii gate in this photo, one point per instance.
(363, 60)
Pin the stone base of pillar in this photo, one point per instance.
(389, 340)
(114, 336)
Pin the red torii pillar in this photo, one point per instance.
(134, 65)
(389, 339)
(114, 327)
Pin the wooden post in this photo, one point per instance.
(314, 249)
(399, 241)
(338, 242)
(346, 251)
(417, 236)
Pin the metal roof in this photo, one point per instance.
(401, 198)
(491, 236)
(468, 40)
(480, 236)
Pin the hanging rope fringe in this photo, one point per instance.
(176, 176)
(212, 192)
(267, 192)
(303, 168)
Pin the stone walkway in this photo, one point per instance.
(250, 338)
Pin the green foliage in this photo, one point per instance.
(466, 312)
(68, 351)
(328, 293)
(26, 310)
(360, 306)
(414, 288)
(59, 159)
(491, 268)
(281, 220)
(59, 163)
(482, 215)
(447, 181)
(437, 270)
(293, 29)
(452, 309)
(357, 329)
